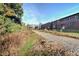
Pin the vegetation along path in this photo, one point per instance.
(69, 43)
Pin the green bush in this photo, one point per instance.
(2, 25)
(8, 26)
(13, 27)
(7, 23)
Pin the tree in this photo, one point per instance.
(10, 17)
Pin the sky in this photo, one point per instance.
(36, 13)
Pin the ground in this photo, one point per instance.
(38, 43)
(71, 44)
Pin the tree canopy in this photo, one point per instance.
(10, 17)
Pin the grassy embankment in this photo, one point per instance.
(49, 48)
(17, 43)
(66, 34)
(30, 41)
(10, 43)
(38, 46)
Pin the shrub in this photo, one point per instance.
(2, 25)
(8, 15)
(13, 27)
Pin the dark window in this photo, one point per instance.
(77, 16)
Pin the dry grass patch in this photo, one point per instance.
(10, 43)
(66, 34)
(50, 48)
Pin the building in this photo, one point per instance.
(69, 23)
(46, 26)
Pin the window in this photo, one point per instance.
(77, 16)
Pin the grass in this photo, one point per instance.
(29, 43)
(11, 42)
(50, 48)
(37, 46)
(66, 34)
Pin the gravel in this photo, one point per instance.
(69, 43)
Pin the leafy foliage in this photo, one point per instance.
(10, 17)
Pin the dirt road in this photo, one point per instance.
(69, 43)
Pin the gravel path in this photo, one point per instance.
(69, 43)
